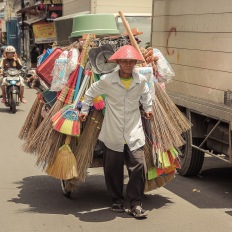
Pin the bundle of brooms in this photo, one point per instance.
(180, 122)
(86, 144)
(33, 118)
(45, 141)
(151, 159)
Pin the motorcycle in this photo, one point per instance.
(13, 86)
(31, 78)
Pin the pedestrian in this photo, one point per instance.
(34, 56)
(122, 132)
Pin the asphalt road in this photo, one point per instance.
(31, 201)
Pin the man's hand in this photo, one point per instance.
(82, 117)
(148, 115)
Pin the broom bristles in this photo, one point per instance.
(87, 143)
(37, 119)
(27, 124)
(181, 123)
(66, 127)
(64, 166)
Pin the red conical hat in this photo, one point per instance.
(126, 52)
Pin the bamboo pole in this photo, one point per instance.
(130, 34)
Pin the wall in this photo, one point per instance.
(196, 38)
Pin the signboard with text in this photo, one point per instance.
(44, 33)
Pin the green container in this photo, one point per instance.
(98, 24)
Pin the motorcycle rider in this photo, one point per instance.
(11, 61)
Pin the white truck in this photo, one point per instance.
(196, 38)
(137, 13)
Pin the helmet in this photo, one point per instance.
(126, 52)
(3, 48)
(10, 49)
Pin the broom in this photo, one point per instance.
(181, 123)
(42, 142)
(40, 134)
(86, 144)
(66, 120)
(27, 126)
(36, 120)
(64, 166)
(84, 57)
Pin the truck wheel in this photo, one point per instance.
(191, 159)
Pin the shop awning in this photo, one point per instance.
(34, 20)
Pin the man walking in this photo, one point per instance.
(122, 132)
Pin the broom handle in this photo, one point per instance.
(81, 91)
(130, 34)
(68, 139)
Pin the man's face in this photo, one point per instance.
(127, 65)
(10, 55)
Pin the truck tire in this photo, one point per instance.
(191, 159)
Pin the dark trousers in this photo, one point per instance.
(114, 175)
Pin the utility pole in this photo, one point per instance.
(23, 19)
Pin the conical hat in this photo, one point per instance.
(126, 52)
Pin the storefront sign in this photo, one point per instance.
(44, 33)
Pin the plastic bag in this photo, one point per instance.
(148, 73)
(59, 74)
(164, 69)
(72, 56)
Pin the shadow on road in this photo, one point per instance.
(211, 189)
(7, 110)
(89, 203)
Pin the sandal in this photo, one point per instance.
(138, 212)
(118, 208)
(3, 100)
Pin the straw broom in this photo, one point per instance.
(64, 166)
(85, 148)
(181, 123)
(44, 142)
(87, 143)
(150, 158)
(164, 134)
(36, 121)
(27, 126)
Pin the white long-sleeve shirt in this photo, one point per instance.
(122, 120)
